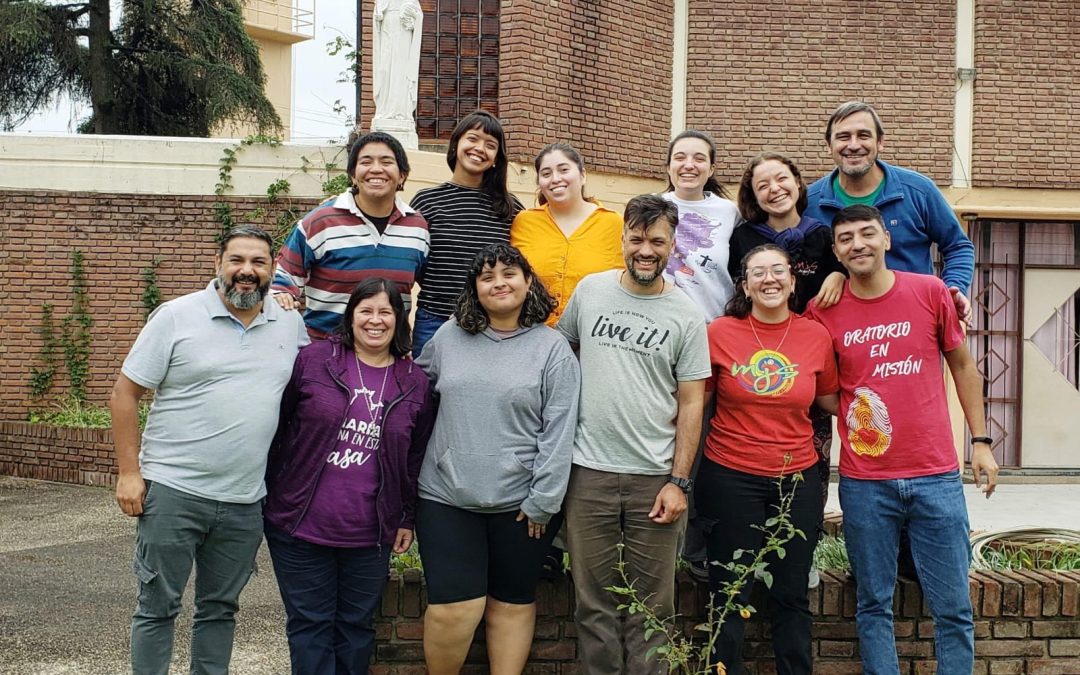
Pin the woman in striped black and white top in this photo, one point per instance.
(470, 211)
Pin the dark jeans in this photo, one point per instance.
(738, 502)
(424, 326)
(330, 595)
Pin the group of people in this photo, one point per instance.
(568, 368)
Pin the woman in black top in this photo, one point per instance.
(772, 197)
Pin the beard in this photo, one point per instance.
(645, 278)
(859, 172)
(238, 298)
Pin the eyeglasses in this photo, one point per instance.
(778, 271)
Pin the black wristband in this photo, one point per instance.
(982, 439)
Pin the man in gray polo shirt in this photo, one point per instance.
(644, 362)
(218, 361)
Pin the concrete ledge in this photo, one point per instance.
(189, 166)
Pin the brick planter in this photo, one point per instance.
(64, 455)
(1025, 622)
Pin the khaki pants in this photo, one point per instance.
(603, 510)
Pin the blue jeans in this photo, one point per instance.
(330, 595)
(935, 514)
(175, 531)
(424, 326)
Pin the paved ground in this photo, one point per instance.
(1028, 504)
(66, 590)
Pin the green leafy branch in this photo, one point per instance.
(682, 653)
(41, 377)
(73, 340)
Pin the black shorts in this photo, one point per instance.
(469, 555)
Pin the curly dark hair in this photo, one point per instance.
(401, 344)
(739, 305)
(748, 205)
(471, 315)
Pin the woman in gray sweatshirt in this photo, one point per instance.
(496, 468)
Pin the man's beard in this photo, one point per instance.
(239, 299)
(642, 278)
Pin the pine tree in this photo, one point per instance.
(169, 67)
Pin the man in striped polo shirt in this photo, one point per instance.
(367, 231)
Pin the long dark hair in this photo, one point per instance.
(494, 181)
(748, 205)
(739, 305)
(401, 344)
(472, 316)
(711, 185)
(571, 154)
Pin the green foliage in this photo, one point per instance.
(1047, 555)
(73, 341)
(683, 654)
(72, 412)
(75, 330)
(151, 296)
(336, 184)
(831, 554)
(76, 414)
(278, 213)
(168, 67)
(343, 46)
(409, 560)
(41, 377)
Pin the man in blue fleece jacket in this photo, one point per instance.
(915, 212)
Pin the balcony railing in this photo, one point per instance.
(281, 20)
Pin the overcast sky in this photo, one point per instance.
(315, 86)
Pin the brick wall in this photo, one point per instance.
(1026, 92)
(1024, 623)
(80, 456)
(767, 75)
(119, 235)
(596, 74)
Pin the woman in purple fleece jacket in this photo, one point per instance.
(342, 479)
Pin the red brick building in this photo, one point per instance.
(980, 96)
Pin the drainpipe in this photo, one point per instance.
(680, 46)
(964, 108)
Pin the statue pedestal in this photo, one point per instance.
(403, 130)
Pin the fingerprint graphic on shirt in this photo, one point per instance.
(869, 425)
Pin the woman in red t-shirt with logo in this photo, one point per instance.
(769, 365)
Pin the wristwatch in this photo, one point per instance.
(982, 439)
(684, 484)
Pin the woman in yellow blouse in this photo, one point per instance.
(568, 235)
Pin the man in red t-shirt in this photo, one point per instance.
(898, 464)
